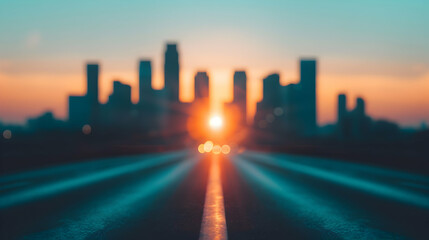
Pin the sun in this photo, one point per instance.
(216, 122)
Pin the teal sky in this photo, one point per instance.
(385, 39)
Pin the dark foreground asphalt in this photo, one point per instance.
(162, 196)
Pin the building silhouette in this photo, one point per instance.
(201, 86)
(79, 111)
(271, 99)
(289, 111)
(118, 107)
(86, 109)
(285, 113)
(308, 94)
(45, 122)
(171, 72)
(145, 82)
(342, 107)
(92, 73)
(355, 124)
(239, 102)
(176, 112)
(152, 102)
(121, 96)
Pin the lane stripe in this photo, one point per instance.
(213, 225)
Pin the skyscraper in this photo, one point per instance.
(308, 94)
(240, 94)
(201, 86)
(343, 118)
(171, 72)
(238, 107)
(271, 99)
(145, 82)
(360, 107)
(271, 90)
(92, 72)
(342, 108)
(240, 87)
(360, 122)
(119, 106)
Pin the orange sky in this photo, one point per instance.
(396, 98)
(375, 50)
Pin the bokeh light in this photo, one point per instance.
(217, 149)
(226, 149)
(7, 134)
(201, 148)
(86, 129)
(208, 146)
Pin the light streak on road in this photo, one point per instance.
(76, 181)
(303, 205)
(357, 182)
(112, 211)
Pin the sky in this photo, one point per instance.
(377, 50)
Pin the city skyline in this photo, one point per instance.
(215, 103)
(226, 119)
(362, 55)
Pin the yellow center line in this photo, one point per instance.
(213, 225)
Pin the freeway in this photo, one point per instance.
(188, 195)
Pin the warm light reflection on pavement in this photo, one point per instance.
(214, 224)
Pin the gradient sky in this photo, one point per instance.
(375, 49)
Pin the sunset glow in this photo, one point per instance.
(216, 122)
(42, 63)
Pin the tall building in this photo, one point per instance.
(343, 118)
(92, 75)
(92, 83)
(201, 86)
(342, 107)
(240, 94)
(271, 90)
(121, 96)
(240, 89)
(290, 110)
(237, 109)
(176, 113)
(271, 99)
(119, 106)
(360, 107)
(308, 94)
(171, 73)
(145, 82)
(289, 113)
(359, 121)
(355, 124)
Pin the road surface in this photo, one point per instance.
(187, 195)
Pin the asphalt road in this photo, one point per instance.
(187, 195)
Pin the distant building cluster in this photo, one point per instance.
(289, 110)
(284, 113)
(356, 125)
(157, 110)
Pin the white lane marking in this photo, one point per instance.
(213, 225)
